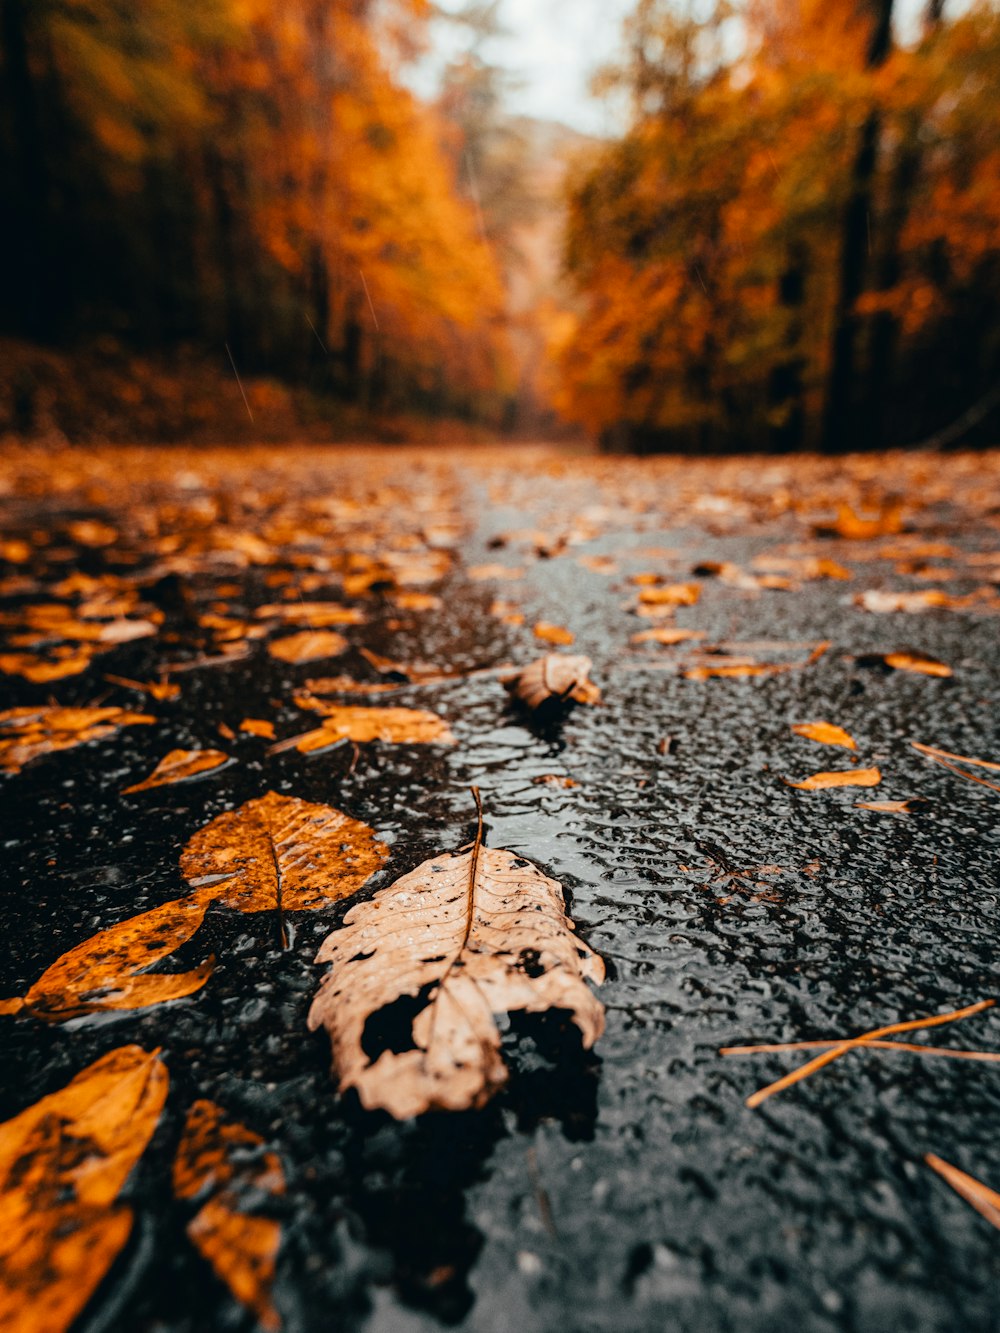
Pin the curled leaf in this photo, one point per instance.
(458, 940)
(825, 733)
(180, 766)
(63, 1163)
(281, 853)
(554, 679)
(222, 1159)
(852, 777)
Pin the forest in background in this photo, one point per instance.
(795, 243)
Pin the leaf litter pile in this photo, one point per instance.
(487, 883)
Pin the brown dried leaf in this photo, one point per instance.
(825, 733)
(108, 971)
(29, 733)
(397, 726)
(342, 685)
(63, 1163)
(549, 633)
(553, 679)
(917, 662)
(179, 766)
(470, 934)
(281, 853)
(985, 1201)
(884, 603)
(853, 777)
(308, 646)
(223, 1158)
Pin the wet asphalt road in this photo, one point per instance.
(630, 1189)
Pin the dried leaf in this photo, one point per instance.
(554, 780)
(461, 938)
(257, 726)
(179, 766)
(852, 777)
(342, 685)
(493, 571)
(985, 1201)
(108, 971)
(42, 670)
(63, 1163)
(281, 853)
(917, 662)
(161, 690)
(887, 807)
(667, 634)
(317, 615)
(396, 726)
(308, 646)
(825, 733)
(554, 679)
(552, 633)
(884, 603)
(29, 733)
(222, 1158)
(673, 594)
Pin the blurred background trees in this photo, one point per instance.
(797, 241)
(793, 242)
(246, 173)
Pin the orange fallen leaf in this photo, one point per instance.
(917, 662)
(257, 726)
(279, 853)
(29, 733)
(672, 594)
(317, 615)
(884, 603)
(985, 1201)
(109, 971)
(396, 726)
(667, 634)
(180, 766)
(343, 685)
(161, 690)
(223, 1159)
(63, 1163)
(852, 777)
(886, 807)
(825, 733)
(41, 670)
(554, 780)
(416, 601)
(549, 633)
(308, 646)
(493, 571)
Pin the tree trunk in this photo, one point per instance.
(29, 288)
(838, 417)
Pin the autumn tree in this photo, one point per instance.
(753, 257)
